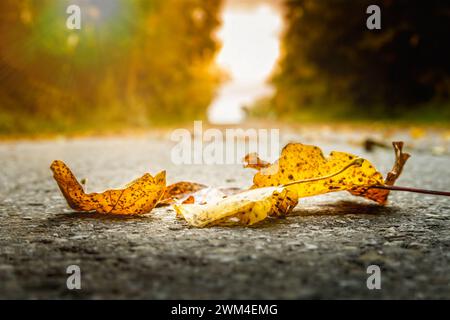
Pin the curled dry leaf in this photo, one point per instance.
(248, 207)
(178, 191)
(189, 200)
(210, 194)
(380, 195)
(305, 162)
(252, 160)
(140, 196)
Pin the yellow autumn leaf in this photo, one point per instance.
(251, 206)
(248, 207)
(139, 196)
(305, 162)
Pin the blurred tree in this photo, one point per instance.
(331, 62)
(133, 63)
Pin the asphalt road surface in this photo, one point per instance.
(321, 251)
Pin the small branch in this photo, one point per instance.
(398, 188)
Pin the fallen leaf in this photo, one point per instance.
(417, 133)
(370, 144)
(304, 162)
(178, 191)
(248, 207)
(189, 200)
(254, 205)
(380, 195)
(139, 196)
(252, 160)
(251, 206)
(210, 194)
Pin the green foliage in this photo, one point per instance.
(333, 66)
(133, 63)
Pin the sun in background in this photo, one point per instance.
(249, 52)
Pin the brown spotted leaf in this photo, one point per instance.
(179, 191)
(140, 196)
(251, 206)
(300, 162)
(252, 160)
(380, 195)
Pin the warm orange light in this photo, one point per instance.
(250, 49)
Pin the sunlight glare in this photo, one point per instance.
(250, 49)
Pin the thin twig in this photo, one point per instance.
(398, 188)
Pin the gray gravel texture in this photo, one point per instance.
(321, 251)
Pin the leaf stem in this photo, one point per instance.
(356, 162)
(399, 188)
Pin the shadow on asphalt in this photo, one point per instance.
(352, 209)
(345, 207)
(61, 217)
